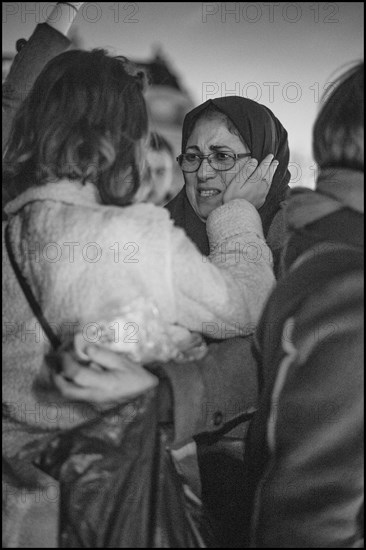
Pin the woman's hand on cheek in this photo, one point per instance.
(252, 182)
(109, 378)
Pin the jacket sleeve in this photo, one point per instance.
(311, 493)
(44, 44)
(214, 394)
(222, 296)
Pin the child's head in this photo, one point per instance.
(85, 119)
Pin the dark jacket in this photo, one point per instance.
(304, 455)
(44, 44)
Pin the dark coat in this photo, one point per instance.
(44, 44)
(304, 456)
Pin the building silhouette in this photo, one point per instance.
(168, 103)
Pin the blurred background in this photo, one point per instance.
(281, 54)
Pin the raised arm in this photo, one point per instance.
(222, 296)
(48, 40)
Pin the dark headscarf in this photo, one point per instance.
(264, 134)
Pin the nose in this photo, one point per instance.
(205, 171)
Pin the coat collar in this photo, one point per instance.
(69, 192)
(336, 189)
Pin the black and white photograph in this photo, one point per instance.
(183, 274)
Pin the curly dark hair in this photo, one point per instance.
(83, 120)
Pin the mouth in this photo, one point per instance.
(208, 193)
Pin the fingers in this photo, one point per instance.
(79, 374)
(265, 171)
(271, 172)
(108, 359)
(68, 389)
(240, 179)
(89, 386)
(248, 170)
(261, 172)
(252, 182)
(117, 382)
(68, 366)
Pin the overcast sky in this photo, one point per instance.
(278, 53)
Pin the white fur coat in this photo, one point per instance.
(80, 257)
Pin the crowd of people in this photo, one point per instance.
(246, 296)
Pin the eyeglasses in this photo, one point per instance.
(191, 162)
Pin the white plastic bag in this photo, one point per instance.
(138, 331)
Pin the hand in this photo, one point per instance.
(253, 182)
(109, 378)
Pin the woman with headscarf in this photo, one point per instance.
(224, 140)
(263, 134)
(206, 130)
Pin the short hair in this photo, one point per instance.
(159, 143)
(82, 120)
(338, 132)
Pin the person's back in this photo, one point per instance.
(80, 268)
(59, 162)
(304, 460)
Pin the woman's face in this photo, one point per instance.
(205, 188)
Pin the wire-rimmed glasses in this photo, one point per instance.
(191, 162)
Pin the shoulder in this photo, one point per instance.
(277, 230)
(331, 317)
(143, 219)
(144, 213)
(322, 296)
(78, 218)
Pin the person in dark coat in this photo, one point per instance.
(304, 457)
